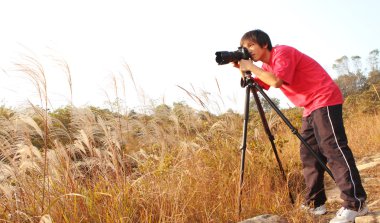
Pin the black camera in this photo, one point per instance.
(225, 57)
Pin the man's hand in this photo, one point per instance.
(246, 65)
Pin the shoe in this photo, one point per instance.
(320, 210)
(345, 215)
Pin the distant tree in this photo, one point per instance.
(341, 66)
(162, 114)
(162, 108)
(357, 64)
(361, 80)
(373, 60)
(348, 84)
(350, 80)
(264, 103)
(373, 77)
(181, 108)
(104, 113)
(132, 113)
(64, 115)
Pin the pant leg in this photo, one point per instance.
(332, 140)
(312, 169)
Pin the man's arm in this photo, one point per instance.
(267, 77)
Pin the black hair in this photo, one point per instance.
(258, 36)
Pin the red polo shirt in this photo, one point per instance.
(306, 83)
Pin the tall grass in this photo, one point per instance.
(172, 164)
(35, 71)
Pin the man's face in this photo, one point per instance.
(255, 50)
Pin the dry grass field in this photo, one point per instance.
(170, 164)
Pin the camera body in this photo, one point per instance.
(225, 57)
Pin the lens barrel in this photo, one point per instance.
(225, 57)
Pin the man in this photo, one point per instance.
(308, 85)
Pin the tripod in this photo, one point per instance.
(252, 86)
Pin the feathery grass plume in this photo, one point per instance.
(29, 159)
(62, 63)
(188, 120)
(140, 91)
(219, 91)
(118, 105)
(130, 74)
(206, 99)
(111, 143)
(35, 71)
(8, 138)
(194, 97)
(97, 144)
(59, 132)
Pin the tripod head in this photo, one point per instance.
(247, 80)
(255, 82)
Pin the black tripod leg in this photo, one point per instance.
(244, 144)
(271, 139)
(294, 130)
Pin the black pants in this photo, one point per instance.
(324, 131)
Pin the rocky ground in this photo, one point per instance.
(369, 168)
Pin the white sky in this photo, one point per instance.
(167, 43)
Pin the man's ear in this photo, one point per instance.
(265, 46)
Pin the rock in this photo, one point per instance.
(266, 218)
(371, 217)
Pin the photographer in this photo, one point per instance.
(308, 85)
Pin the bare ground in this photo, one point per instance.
(369, 168)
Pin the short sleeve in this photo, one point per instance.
(284, 64)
